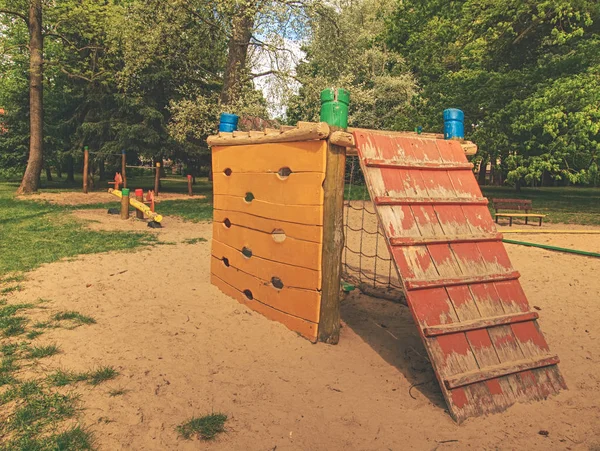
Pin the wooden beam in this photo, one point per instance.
(481, 323)
(86, 160)
(333, 243)
(414, 284)
(441, 166)
(443, 239)
(319, 130)
(343, 139)
(503, 369)
(387, 200)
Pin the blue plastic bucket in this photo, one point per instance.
(228, 122)
(454, 123)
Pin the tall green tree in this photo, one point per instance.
(525, 73)
(346, 49)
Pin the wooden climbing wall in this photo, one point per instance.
(482, 338)
(267, 229)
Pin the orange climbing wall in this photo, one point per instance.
(482, 338)
(267, 229)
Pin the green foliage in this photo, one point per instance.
(102, 374)
(39, 352)
(526, 75)
(76, 317)
(346, 50)
(206, 427)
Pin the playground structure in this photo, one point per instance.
(278, 241)
(142, 209)
(123, 174)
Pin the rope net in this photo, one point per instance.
(366, 261)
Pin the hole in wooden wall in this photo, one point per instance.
(248, 294)
(278, 235)
(276, 282)
(247, 252)
(249, 197)
(225, 261)
(227, 222)
(227, 172)
(284, 173)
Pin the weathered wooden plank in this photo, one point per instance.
(387, 200)
(480, 323)
(305, 328)
(315, 131)
(265, 245)
(413, 284)
(305, 156)
(303, 188)
(291, 276)
(333, 244)
(467, 378)
(299, 214)
(394, 164)
(444, 239)
(304, 232)
(298, 302)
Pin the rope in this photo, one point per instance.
(366, 259)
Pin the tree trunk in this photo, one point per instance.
(241, 32)
(481, 177)
(102, 171)
(30, 182)
(70, 169)
(48, 173)
(59, 170)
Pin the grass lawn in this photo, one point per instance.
(38, 411)
(566, 205)
(33, 233)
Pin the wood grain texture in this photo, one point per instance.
(486, 373)
(479, 323)
(307, 156)
(311, 131)
(461, 287)
(294, 252)
(304, 188)
(294, 301)
(333, 244)
(291, 276)
(304, 232)
(304, 328)
(299, 214)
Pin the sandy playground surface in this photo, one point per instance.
(183, 348)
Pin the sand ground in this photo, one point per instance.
(183, 348)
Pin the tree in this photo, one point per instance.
(346, 50)
(500, 61)
(31, 177)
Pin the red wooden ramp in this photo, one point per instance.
(483, 340)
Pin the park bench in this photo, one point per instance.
(515, 204)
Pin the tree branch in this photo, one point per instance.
(15, 13)
(273, 72)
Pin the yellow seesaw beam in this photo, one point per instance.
(593, 232)
(138, 205)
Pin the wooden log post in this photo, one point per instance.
(125, 203)
(86, 168)
(139, 196)
(190, 190)
(334, 111)
(123, 166)
(157, 179)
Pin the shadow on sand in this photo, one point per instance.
(389, 329)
